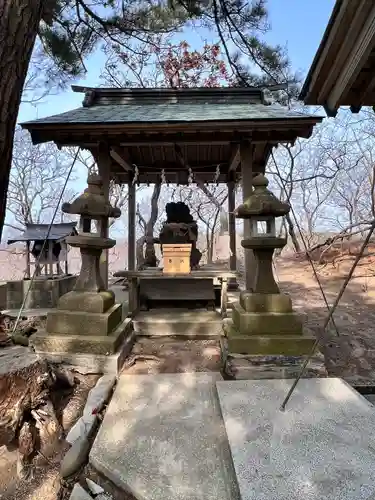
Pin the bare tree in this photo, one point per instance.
(147, 231)
(307, 175)
(118, 193)
(37, 178)
(206, 205)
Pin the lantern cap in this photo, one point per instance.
(262, 202)
(92, 203)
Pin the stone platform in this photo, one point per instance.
(181, 323)
(321, 447)
(163, 437)
(87, 353)
(243, 367)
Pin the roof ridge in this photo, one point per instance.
(141, 96)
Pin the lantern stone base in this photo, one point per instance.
(287, 345)
(265, 324)
(84, 323)
(91, 302)
(87, 354)
(94, 344)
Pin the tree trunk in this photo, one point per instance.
(148, 257)
(140, 257)
(150, 247)
(19, 22)
(224, 221)
(292, 234)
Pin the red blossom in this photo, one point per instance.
(185, 68)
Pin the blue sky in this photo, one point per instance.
(298, 24)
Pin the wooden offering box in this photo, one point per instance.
(176, 258)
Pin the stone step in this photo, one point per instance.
(193, 324)
(321, 446)
(163, 437)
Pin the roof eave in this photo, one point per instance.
(336, 75)
(45, 132)
(317, 58)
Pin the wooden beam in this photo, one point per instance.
(276, 131)
(28, 272)
(365, 42)
(118, 156)
(232, 226)
(131, 225)
(156, 166)
(172, 178)
(364, 96)
(344, 32)
(180, 156)
(247, 153)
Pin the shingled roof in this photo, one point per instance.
(115, 106)
(173, 130)
(35, 232)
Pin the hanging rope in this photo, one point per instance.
(217, 174)
(44, 242)
(307, 252)
(190, 176)
(329, 317)
(136, 175)
(163, 179)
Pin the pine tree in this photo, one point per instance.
(70, 30)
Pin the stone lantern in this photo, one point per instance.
(94, 212)
(87, 319)
(263, 322)
(262, 209)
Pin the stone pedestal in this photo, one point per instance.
(265, 324)
(87, 320)
(264, 334)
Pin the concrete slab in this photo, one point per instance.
(163, 437)
(322, 446)
(370, 397)
(78, 493)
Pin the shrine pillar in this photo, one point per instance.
(232, 226)
(132, 264)
(247, 187)
(131, 225)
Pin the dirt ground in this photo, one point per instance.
(351, 354)
(45, 483)
(175, 356)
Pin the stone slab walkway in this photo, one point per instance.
(322, 446)
(163, 437)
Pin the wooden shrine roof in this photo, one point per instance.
(342, 73)
(173, 129)
(34, 232)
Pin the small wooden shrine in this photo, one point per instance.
(187, 135)
(177, 136)
(47, 258)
